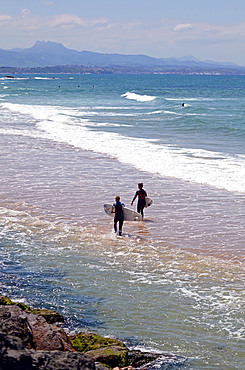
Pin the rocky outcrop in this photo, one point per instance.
(50, 316)
(108, 351)
(41, 360)
(115, 355)
(29, 341)
(138, 359)
(85, 342)
(111, 356)
(14, 324)
(47, 337)
(33, 330)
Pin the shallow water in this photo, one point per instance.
(173, 283)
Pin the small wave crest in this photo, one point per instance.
(13, 78)
(137, 97)
(216, 169)
(46, 78)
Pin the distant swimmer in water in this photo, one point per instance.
(141, 194)
(118, 210)
(185, 105)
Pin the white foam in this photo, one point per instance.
(111, 108)
(14, 79)
(137, 97)
(26, 133)
(189, 99)
(195, 165)
(170, 112)
(197, 99)
(46, 78)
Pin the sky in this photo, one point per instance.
(205, 29)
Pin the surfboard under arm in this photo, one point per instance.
(129, 214)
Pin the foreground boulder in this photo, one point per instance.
(110, 352)
(41, 360)
(33, 330)
(31, 341)
(113, 354)
(28, 342)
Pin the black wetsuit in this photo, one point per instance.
(118, 216)
(141, 194)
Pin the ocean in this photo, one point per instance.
(70, 143)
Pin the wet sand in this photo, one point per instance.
(63, 184)
(173, 282)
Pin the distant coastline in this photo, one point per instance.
(52, 57)
(80, 69)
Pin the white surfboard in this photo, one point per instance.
(129, 214)
(148, 202)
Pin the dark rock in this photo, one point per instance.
(99, 366)
(22, 333)
(138, 358)
(62, 360)
(33, 330)
(153, 361)
(28, 341)
(41, 360)
(48, 337)
(50, 316)
(10, 342)
(111, 356)
(15, 360)
(13, 322)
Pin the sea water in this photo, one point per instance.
(69, 144)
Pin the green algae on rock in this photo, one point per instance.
(50, 316)
(85, 342)
(108, 351)
(5, 301)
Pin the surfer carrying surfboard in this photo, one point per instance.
(117, 208)
(141, 194)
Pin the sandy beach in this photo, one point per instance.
(63, 185)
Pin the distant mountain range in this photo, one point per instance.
(49, 54)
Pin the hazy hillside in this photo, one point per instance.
(48, 53)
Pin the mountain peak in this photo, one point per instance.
(47, 47)
(48, 53)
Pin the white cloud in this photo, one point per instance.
(25, 13)
(5, 18)
(183, 27)
(47, 2)
(76, 23)
(64, 20)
